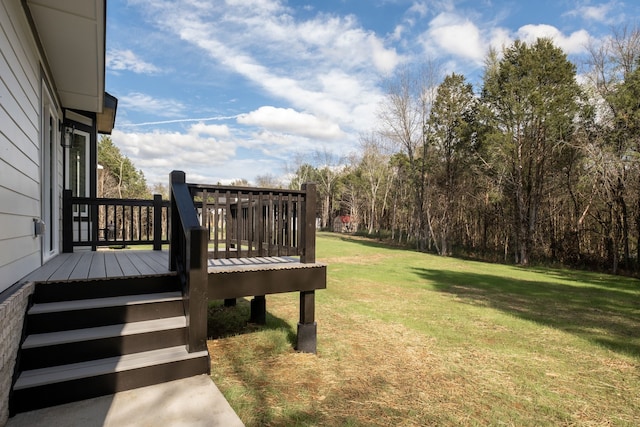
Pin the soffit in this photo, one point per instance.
(72, 36)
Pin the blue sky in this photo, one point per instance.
(235, 89)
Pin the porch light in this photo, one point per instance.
(106, 120)
(67, 139)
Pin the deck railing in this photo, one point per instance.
(107, 222)
(240, 221)
(256, 222)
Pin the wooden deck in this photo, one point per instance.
(95, 265)
(232, 265)
(87, 265)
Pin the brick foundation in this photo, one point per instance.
(12, 311)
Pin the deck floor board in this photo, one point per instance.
(48, 269)
(142, 267)
(126, 266)
(81, 271)
(153, 262)
(87, 265)
(112, 267)
(97, 270)
(64, 272)
(96, 265)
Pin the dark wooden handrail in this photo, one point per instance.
(110, 221)
(188, 257)
(257, 222)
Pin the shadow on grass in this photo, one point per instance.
(252, 385)
(370, 242)
(230, 321)
(601, 311)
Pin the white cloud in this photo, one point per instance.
(205, 152)
(398, 31)
(457, 36)
(419, 8)
(157, 152)
(150, 105)
(126, 60)
(291, 121)
(211, 130)
(285, 58)
(574, 43)
(257, 6)
(453, 37)
(499, 38)
(598, 13)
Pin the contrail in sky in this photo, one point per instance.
(166, 122)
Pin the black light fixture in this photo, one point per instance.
(106, 120)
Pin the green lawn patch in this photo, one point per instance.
(412, 339)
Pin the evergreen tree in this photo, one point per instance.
(533, 99)
(119, 177)
(451, 124)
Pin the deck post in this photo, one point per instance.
(258, 310)
(157, 222)
(196, 292)
(67, 221)
(308, 224)
(175, 228)
(307, 327)
(93, 224)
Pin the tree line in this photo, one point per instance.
(539, 164)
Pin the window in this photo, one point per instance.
(78, 178)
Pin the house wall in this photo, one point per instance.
(20, 156)
(21, 85)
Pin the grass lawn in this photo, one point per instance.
(410, 339)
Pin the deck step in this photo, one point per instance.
(110, 365)
(104, 288)
(53, 307)
(90, 334)
(87, 313)
(94, 338)
(77, 345)
(55, 385)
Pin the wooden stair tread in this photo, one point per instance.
(87, 334)
(127, 362)
(86, 304)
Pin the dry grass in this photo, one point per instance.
(397, 348)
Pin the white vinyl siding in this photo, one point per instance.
(20, 156)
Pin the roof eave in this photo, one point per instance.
(72, 37)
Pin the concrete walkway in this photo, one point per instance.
(194, 401)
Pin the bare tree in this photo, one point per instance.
(377, 173)
(404, 118)
(328, 168)
(611, 63)
(268, 181)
